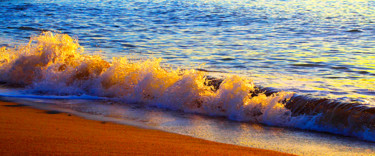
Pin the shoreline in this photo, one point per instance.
(27, 130)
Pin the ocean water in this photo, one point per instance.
(324, 48)
(304, 65)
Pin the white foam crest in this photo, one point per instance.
(54, 64)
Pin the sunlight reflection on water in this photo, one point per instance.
(322, 48)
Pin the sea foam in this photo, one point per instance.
(55, 64)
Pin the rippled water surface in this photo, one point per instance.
(323, 48)
(314, 48)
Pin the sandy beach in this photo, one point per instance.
(28, 131)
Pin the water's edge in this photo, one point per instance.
(264, 139)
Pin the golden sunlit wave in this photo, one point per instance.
(56, 64)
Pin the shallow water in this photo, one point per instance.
(215, 129)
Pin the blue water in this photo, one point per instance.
(319, 49)
(316, 47)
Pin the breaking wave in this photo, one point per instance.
(55, 64)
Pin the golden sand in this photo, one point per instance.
(28, 131)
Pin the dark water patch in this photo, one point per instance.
(128, 45)
(106, 46)
(365, 91)
(118, 40)
(53, 112)
(304, 105)
(183, 46)
(63, 30)
(263, 66)
(354, 77)
(236, 45)
(12, 85)
(170, 58)
(239, 66)
(4, 45)
(306, 91)
(338, 93)
(227, 59)
(352, 117)
(340, 68)
(17, 105)
(333, 77)
(363, 72)
(269, 62)
(5, 99)
(21, 7)
(255, 59)
(308, 65)
(354, 31)
(27, 28)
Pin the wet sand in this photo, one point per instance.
(25, 130)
